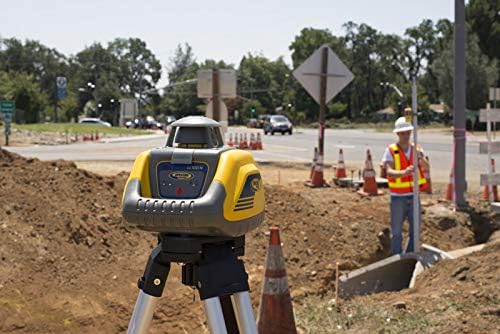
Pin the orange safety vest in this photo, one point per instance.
(404, 185)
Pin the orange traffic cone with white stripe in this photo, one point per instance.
(252, 142)
(450, 190)
(486, 192)
(370, 187)
(236, 141)
(242, 143)
(259, 142)
(245, 141)
(275, 308)
(317, 179)
(340, 172)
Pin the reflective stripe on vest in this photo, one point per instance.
(404, 184)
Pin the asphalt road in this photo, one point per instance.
(284, 148)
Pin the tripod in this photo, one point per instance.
(211, 265)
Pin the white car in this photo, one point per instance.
(94, 121)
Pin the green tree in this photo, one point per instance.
(26, 91)
(481, 74)
(33, 58)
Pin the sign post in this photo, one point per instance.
(61, 84)
(7, 109)
(216, 85)
(333, 77)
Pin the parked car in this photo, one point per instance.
(252, 123)
(148, 122)
(261, 120)
(277, 123)
(93, 121)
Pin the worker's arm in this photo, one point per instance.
(391, 172)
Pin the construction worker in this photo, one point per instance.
(398, 161)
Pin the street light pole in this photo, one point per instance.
(459, 105)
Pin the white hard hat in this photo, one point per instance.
(402, 125)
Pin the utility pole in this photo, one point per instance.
(459, 105)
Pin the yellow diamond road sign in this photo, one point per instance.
(309, 73)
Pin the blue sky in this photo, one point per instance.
(218, 29)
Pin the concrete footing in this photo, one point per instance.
(394, 273)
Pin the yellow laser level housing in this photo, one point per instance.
(194, 185)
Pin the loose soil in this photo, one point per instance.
(69, 265)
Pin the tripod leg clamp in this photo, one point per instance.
(155, 275)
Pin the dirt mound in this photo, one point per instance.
(69, 265)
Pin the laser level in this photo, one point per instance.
(202, 198)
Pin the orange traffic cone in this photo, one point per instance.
(427, 175)
(245, 141)
(486, 192)
(340, 172)
(370, 187)
(242, 143)
(317, 179)
(275, 309)
(236, 141)
(252, 142)
(259, 142)
(450, 191)
(230, 142)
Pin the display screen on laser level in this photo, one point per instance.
(181, 181)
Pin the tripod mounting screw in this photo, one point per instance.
(157, 281)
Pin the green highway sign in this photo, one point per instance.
(7, 107)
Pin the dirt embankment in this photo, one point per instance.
(69, 265)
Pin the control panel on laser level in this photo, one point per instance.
(194, 185)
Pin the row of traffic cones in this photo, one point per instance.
(242, 143)
(369, 176)
(90, 137)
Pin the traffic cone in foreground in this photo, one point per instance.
(341, 173)
(230, 142)
(370, 187)
(275, 308)
(450, 191)
(486, 192)
(317, 179)
(427, 175)
(259, 142)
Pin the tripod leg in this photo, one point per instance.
(143, 313)
(151, 287)
(244, 314)
(215, 318)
